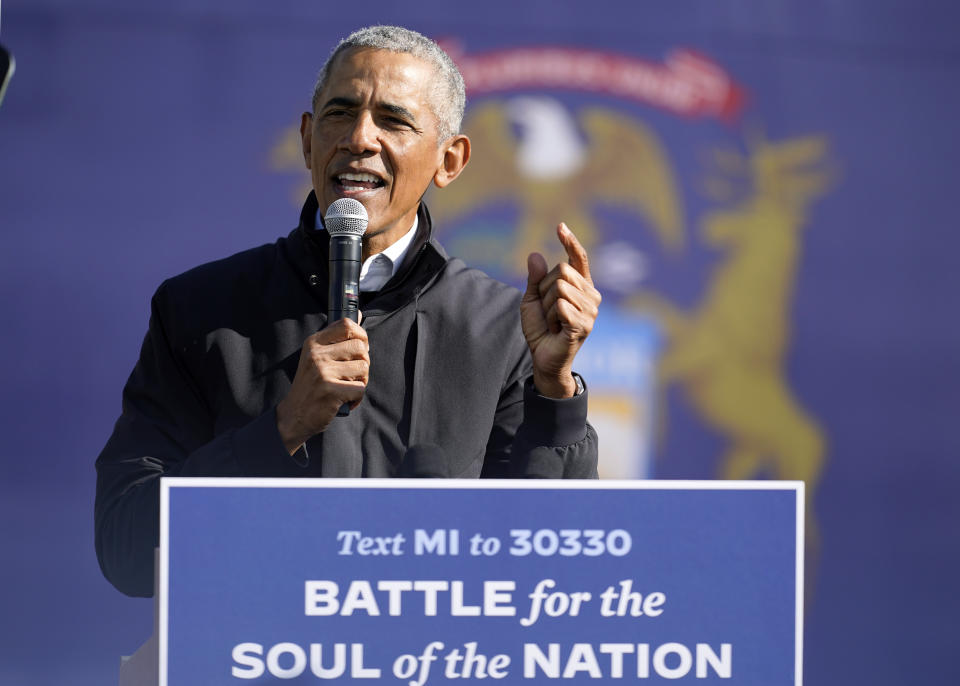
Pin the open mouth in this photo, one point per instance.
(357, 182)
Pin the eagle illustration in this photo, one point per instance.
(529, 151)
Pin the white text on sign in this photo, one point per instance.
(522, 543)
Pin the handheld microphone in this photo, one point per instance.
(7, 66)
(345, 221)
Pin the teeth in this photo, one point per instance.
(369, 178)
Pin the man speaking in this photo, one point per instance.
(449, 373)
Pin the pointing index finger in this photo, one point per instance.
(576, 254)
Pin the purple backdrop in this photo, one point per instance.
(138, 140)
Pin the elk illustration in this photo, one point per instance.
(727, 355)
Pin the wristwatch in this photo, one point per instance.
(580, 387)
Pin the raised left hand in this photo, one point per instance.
(557, 313)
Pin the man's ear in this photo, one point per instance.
(306, 135)
(456, 154)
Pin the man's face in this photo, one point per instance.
(373, 137)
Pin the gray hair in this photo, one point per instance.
(449, 95)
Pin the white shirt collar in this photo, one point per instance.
(378, 269)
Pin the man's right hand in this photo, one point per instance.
(334, 369)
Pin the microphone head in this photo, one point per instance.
(345, 216)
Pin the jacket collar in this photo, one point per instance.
(424, 260)
(316, 236)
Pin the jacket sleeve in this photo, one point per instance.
(165, 429)
(538, 437)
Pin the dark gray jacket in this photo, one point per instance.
(449, 368)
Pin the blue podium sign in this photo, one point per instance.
(418, 582)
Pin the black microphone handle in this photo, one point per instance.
(343, 295)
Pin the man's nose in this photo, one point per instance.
(363, 136)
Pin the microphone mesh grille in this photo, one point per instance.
(346, 216)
